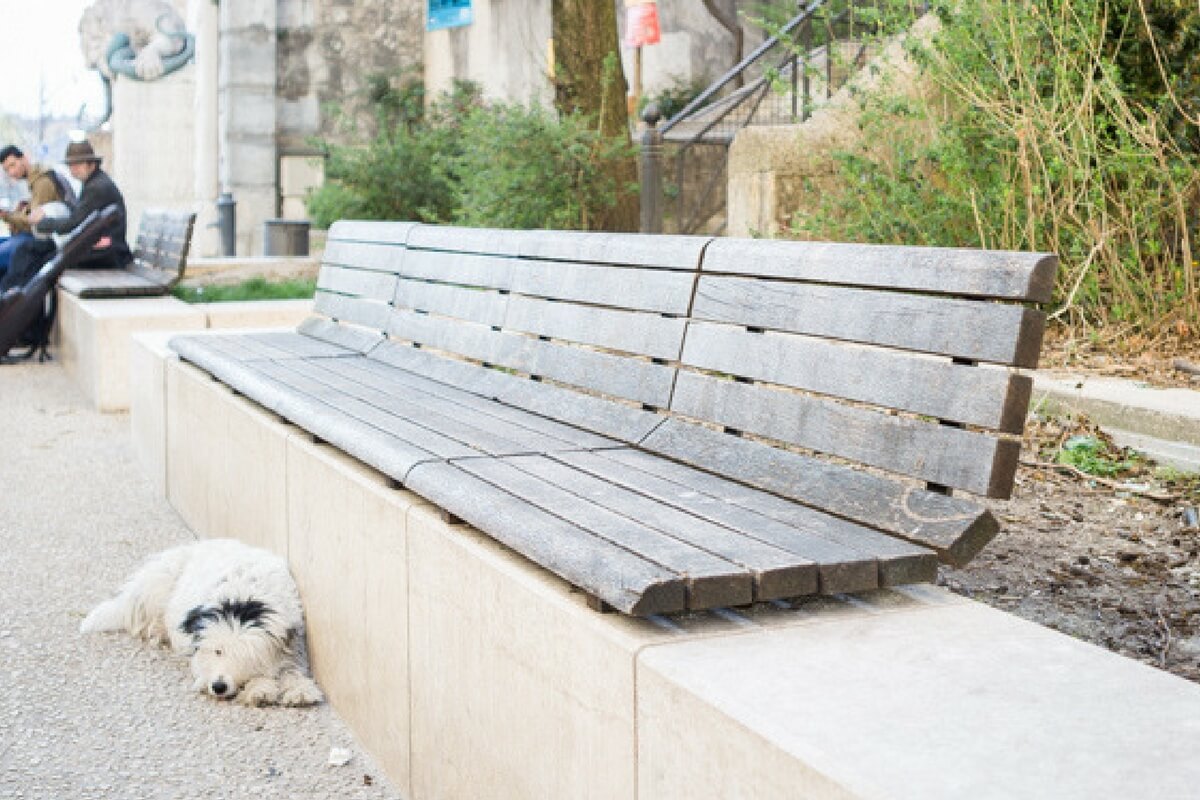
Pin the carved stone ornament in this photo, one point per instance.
(140, 39)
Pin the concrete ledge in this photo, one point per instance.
(94, 334)
(469, 671)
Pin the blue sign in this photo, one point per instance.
(448, 14)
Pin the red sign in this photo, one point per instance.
(641, 25)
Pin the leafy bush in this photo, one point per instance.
(525, 167)
(1029, 135)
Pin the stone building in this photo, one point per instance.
(241, 114)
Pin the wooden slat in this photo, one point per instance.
(108, 283)
(625, 581)
(293, 344)
(658, 290)
(622, 422)
(671, 252)
(367, 231)
(777, 573)
(971, 273)
(483, 306)
(367, 313)
(941, 454)
(379, 286)
(359, 340)
(980, 331)
(490, 241)
(987, 397)
(711, 581)
(372, 256)
(758, 512)
(639, 381)
(956, 528)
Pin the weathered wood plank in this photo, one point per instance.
(483, 306)
(670, 252)
(625, 581)
(367, 313)
(379, 286)
(843, 563)
(777, 572)
(980, 331)
(971, 273)
(369, 231)
(370, 256)
(744, 507)
(711, 581)
(605, 417)
(359, 340)
(657, 290)
(640, 381)
(108, 283)
(490, 241)
(560, 436)
(956, 528)
(973, 395)
(927, 450)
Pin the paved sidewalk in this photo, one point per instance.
(104, 717)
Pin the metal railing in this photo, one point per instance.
(684, 162)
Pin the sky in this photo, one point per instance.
(39, 47)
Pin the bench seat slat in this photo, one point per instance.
(639, 381)
(621, 422)
(952, 526)
(777, 572)
(89, 283)
(753, 510)
(656, 290)
(987, 397)
(711, 581)
(358, 340)
(944, 455)
(969, 273)
(459, 421)
(981, 331)
(380, 375)
(625, 581)
(668, 252)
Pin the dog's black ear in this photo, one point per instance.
(197, 619)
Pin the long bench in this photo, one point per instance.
(669, 423)
(159, 259)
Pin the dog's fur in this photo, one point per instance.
(232, 608)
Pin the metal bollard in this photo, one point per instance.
(227, 224)
(652, 186)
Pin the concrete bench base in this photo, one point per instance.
(93, 335)
(470, 672)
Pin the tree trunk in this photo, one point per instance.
(726, 14)
(585, 34)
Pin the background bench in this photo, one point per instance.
(159, 257)
(669, 423)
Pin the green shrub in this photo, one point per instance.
(1028, 135)
(525, 167)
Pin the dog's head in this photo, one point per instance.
(234, 642)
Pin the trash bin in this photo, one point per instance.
(285, 237)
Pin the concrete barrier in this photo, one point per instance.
(468, 671)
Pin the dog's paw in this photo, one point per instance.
(299, 690)
(259, 692)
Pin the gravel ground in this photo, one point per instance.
(105, 717)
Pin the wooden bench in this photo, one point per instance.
(159, 258)
(669, 423)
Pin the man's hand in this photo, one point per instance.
(36, 215)
(102, 242)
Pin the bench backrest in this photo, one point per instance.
(742, 356)
(161, 249)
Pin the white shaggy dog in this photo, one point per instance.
(233, 608)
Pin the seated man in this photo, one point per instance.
(98, 192)
(43, 188)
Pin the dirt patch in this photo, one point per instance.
(1169, 362)
(1113, 560)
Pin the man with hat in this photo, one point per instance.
(99, 192)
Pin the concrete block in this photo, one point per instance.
(516, 685)
(298, 174)
(148, 357)
(257, 313)
(950, 700)
(226, 461)
(94, 338)
(347, 549)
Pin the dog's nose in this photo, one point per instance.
(219, 688)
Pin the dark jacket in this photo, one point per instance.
(99, 191)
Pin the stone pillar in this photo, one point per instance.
(203, 23)
(246, 115)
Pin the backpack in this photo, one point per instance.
(66, 191)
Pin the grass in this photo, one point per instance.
(252, 289)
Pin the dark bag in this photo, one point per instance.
(27, 261)
(66, 192)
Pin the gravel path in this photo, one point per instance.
(104, 717)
